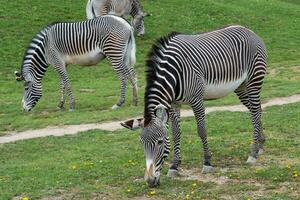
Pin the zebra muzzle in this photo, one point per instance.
(152, 178)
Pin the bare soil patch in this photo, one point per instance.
(112, 126)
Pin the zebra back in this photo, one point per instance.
(215, 58)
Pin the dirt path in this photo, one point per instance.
(111, 126)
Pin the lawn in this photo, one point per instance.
(96, 88)
(110, 165)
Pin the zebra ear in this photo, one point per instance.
(19, 76)
(161, 113)
(133, 124)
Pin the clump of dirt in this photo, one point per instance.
(86, 90)
(62, 195)
(196, 174)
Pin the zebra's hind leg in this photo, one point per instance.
(175, 117)
(133, 81)
(250, 97)
(258, 137)
(122, 95)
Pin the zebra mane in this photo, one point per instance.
(36, 37)
(152, 62)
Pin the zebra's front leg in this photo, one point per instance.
(175, 117)
(66, 85)
(199, 113)
(62, 95)
(122, 95)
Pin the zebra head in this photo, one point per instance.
(32, 91)
(138, 24)
(155, 141)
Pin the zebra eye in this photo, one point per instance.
(159, 142)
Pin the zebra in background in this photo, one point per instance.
(82, 43)
(122, 8)
(191, 69)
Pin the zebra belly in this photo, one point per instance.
(91, 58)
(216, 91)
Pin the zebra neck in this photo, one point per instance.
(155, 96)
(35, 63)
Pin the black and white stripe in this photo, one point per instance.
(122, 8)
(82, 43)
(192, 68)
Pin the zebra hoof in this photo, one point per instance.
(173, 173)
(260, 151)
(61, 108)
(251, 160)
(115, 107)
(207, 169)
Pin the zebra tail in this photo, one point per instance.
(130, 58)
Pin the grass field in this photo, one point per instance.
(277, 22)
(110, 165)
(106, 165)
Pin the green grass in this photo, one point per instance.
(277, 22)
(99, 164)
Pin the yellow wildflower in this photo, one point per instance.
(129, 190)
(295, 175)
(194, 184)
(25, 198)
(152, 192)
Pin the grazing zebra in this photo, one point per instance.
(191, 69)
(82, 43)
(122, 8)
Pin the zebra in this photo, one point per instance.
(84, 43)
(122, 8)
(190, 69)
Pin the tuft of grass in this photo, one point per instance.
(99, 164)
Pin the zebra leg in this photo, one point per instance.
(67, 85)
(123, 73)
(133, 81)
(242, 93)
(253, 89)
(175, 117)
(199, 113)
(62, 97)
(122, 95)
(258, 137)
